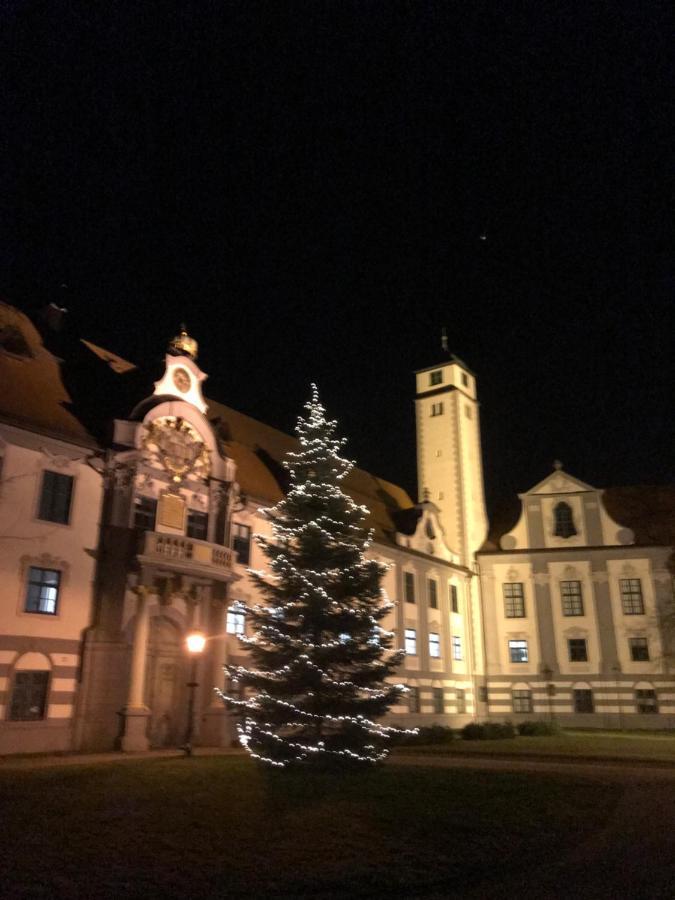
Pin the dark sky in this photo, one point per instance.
(308, 186)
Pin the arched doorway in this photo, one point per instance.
(165, 683)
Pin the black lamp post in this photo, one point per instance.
(194, 642)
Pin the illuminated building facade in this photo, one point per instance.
(118, 539)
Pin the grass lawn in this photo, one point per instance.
(621, 745)
(218, 826)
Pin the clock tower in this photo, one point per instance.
(182, 377)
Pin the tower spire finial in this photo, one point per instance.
(444, 339)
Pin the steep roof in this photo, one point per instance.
(38, 399)
(258, 450)
(647, 509)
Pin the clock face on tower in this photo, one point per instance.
(181, 379)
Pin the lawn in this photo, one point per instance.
(605, 744)
(219, 826)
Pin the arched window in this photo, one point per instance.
(564, 522)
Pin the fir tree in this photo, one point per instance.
(320, 657)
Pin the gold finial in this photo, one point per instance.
(184, 345)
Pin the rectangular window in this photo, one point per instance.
(413, 700)
(456, 647)
(410, 642)
(631, 597)
(436, 377)
(439, 707)
(460, 695)
(236, 622)
(57, 491)
(433, 594)
(572, 601)
(409, 587)
(577, 650)
(42, 595)
(514, 600)
(434, 645)
(29, 696)
(639, 649)
(646, 702)
(522, 701)
(241, 542)
(465, 380)
(518, 651)
(583, 700)
(454, 599)
(145, 513)
(437, 409)
(197, 525)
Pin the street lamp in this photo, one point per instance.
(195, 642)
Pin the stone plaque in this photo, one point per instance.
(171, 511)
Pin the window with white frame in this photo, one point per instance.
(145, 513)
(409, 587)
(518, 651)
(434, 645)
(639, 649)
(577, 650)
(572, 599)
(454, 599)
(564, 521)
(514, 600)
(583, 700)
(241, 542)
(646, 701)
(631, 597)
(522, 700)
(410, 636)
(55, 497)
(28, 701)
(42, 593)
(457, 647)
(236, 621)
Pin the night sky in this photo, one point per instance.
(317, 188)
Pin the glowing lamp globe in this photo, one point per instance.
(195, 642)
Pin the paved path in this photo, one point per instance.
(91, 759)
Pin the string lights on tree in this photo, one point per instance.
(321, 659)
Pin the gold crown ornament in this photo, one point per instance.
(184, 345)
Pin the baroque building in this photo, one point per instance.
(121, 533)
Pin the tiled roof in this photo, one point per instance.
(38, 399)
(258, 450)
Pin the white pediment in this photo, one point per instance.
(558, 482)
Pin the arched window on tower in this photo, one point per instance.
(564, 521)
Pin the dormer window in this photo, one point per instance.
(564, 521)
(436, 377)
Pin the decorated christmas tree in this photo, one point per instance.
(320, 658)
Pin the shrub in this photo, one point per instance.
(488, 731)
(538, 728)
(429, 734)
